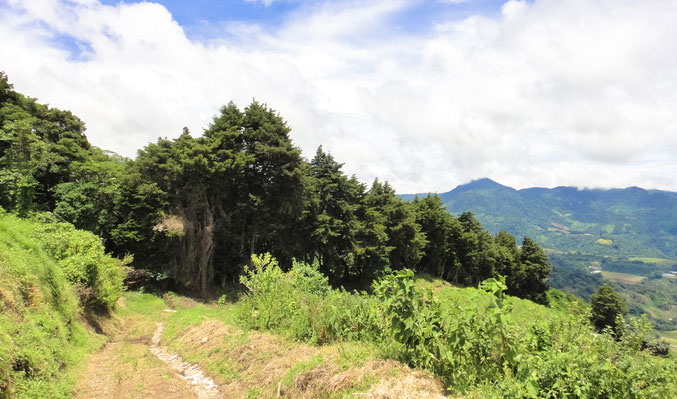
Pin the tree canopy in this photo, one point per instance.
(607, 306)
(192, 210)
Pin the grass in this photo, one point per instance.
(468, 297)
(604, 241)
(624, 278)
(125, 367)
(43, 339)
(251, 363)
(427, 281)
(658, 261)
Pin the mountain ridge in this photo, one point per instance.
(630, 221)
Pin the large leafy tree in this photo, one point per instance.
(508, 262)
(535, 271)
(210, 202)
(390, 237)
(272, 185)
(476, 252)
(39, 149)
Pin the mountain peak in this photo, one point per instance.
(483, 183)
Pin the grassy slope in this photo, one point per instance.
(253, 364)
(41, 334)
(523, 310)
(625, 278)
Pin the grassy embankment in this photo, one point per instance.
(283, 340)
(52, 278)
(248, 363)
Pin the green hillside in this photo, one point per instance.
(478, 341)
(630, 222)
(52, 277)
(627, 234)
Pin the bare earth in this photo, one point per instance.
(134, 365)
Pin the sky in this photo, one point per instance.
(424, 94)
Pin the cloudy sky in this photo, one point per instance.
(425, 94)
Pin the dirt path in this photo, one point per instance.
(135, 365)
(203, 386)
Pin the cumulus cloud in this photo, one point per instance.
(549, 92)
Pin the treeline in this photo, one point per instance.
(194, 210)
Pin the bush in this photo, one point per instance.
(96, 276)
(659, 347)
(41, 336)
(300, 303)
(478, 348)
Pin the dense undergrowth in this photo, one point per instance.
(51, 277)
(481, 343)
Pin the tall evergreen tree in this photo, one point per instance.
(607, 306)
(332, 204)
(535, 271)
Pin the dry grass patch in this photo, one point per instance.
(622, 277)
(125, 368)
(261, 365)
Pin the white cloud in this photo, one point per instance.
(264, 2)
(550, 92)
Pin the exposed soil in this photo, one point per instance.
(134, 365)
(261, 363)
(203, 386)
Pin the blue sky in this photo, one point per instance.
(424, 94)
(193, 14)
(208, 20)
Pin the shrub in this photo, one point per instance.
(300, 303)
(478, 348)
(96, 276)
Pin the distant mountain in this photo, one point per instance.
(616, 222)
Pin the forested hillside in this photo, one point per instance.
(630, 222)
(193, 210)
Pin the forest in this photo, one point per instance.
(192, 211)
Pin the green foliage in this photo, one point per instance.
(608, 309)
(300, 303)
(41, 337)
(308, 279)
(463, 346)
(480, 342)
(80, 254)
(479, 346)
(270, 293)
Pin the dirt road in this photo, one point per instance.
(134, 365)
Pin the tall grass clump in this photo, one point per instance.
(300, 303)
